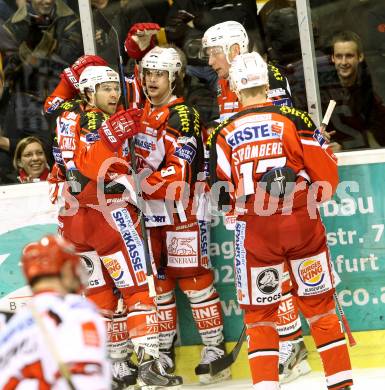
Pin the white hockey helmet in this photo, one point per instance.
(247, 71)
(225, 35)
(162, 58)
(94, 75)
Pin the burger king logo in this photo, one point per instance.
(311, 273)
(113, 268)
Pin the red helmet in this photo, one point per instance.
(47, 256)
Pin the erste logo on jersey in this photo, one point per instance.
(245, 134)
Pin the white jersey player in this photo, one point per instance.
(58, 341)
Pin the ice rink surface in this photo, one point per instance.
(364, 379)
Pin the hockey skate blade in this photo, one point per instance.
(207, 379)
(298, 370)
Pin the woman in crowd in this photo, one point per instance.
(30, 160)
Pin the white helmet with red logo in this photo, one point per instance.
(247, 71)
(162, 58)
(94, 75)
(225, 35)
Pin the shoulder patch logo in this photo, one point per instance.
(319, 137)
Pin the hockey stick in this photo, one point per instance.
(107, 26)
(63, 368)
(328, 114)
(227, 360)
(352, 342)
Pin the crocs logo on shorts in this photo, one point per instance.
(268, 281)
(88, 264)
(311, 272)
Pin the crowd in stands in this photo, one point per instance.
(39, 38)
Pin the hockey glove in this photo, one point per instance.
(72, 74)
(120, 126)
(141, 39)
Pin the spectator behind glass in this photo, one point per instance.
(6, 169)
(38, 41)
(30, 161)
(185, 25)
(40, 29)
(359, 117)
(122, 15)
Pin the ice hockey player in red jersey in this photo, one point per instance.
(58, 339)
(222, 43)
(169, 146)
(114, 251)
(280, 168)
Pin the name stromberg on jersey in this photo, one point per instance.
(254, 128)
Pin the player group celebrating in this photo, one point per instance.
(268, 163)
